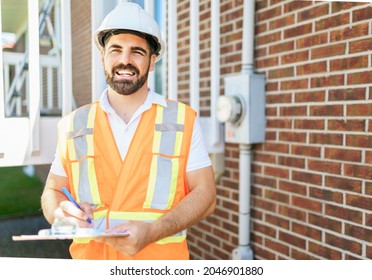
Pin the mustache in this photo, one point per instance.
(123, 67)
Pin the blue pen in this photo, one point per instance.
(69, 196)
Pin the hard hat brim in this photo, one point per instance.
(153, 43)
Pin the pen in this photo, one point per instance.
(69, 196)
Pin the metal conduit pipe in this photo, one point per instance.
(248, 37)
(244, 251)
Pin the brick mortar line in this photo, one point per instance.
(307, 211)
(311, 61)
(220, 239)
(343, 252)
(322, 229)
(344, 192)
(321, 187)
(294, 91)
(295, 38)
(297, 11)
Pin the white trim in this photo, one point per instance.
(67, 94)
(99, 9)
(150, 8)
(58, 33)
(2, 96)
(172, 51)
(164, 68)
(34, 72)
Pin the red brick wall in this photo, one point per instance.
(313, 172)
(312, 178)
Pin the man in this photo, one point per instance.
(134, 161)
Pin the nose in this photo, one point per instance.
(124, 57)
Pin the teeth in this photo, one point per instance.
(126, 73)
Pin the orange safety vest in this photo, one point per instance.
(147, 184)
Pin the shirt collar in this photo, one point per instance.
(152, 98)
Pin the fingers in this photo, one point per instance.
(131, 244)
(67, 210)
(87, 209)
(123, 244)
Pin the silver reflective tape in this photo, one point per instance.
(167, 142)
(81, 117)
(172, 104)
(170, 113)
(79, 133)
(162, 183)
(81, 149)
(168, 136)
(80, 123)
(84, 189)
(116, 222)
(169, 127)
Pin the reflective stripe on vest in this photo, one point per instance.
(81, 153)
(169, 127)
(117, 218)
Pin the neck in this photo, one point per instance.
(126, 105)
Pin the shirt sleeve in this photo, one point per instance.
(57, 167)
(198, 155)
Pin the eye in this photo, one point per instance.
(138, 53)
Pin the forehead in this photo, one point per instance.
(127, 39)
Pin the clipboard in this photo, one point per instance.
(48, 234)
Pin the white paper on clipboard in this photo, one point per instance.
(47, 234)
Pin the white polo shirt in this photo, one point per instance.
(123, 133)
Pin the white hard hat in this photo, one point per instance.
(131, 18)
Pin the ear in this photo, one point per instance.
(152, 62)
(103, 57)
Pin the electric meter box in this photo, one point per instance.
(247, 124)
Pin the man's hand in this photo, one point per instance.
(67, 210)
(139, 237)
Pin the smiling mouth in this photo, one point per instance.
(125, 73)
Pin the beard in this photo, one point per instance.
(126, 87)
